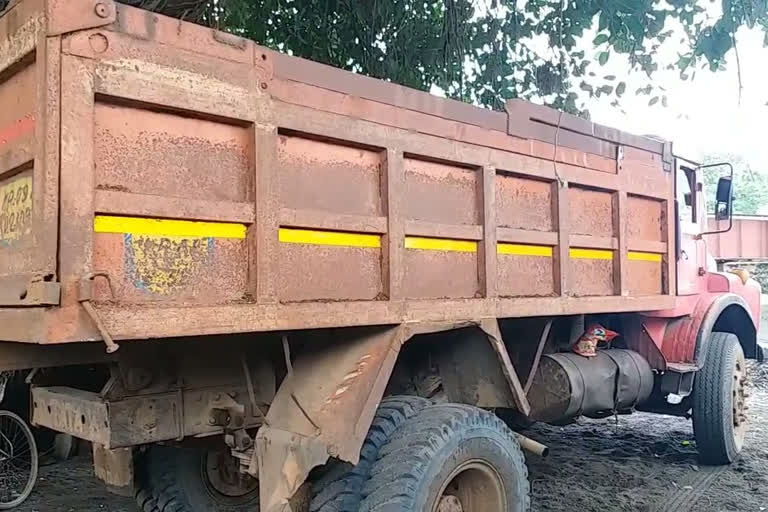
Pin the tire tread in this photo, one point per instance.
(339, 489)
(403, 462)
(712, 401)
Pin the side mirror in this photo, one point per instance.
(723, 198)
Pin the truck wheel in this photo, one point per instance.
(339, 490)
(195, 480)
(449, 458)
(719, 396)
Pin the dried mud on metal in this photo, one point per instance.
(643, 462)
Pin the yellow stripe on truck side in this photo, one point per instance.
(195, 229)
(167, 227)
(336, 238)
(440, 244)
(591, 254)
(644, 256)
(525, 250)
(344, 239)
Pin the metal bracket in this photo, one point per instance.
(620, 158)
(85, 297)
(29, 290)
(667, 157)
(65, 16)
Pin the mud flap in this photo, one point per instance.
(323, 408)
(327, 402)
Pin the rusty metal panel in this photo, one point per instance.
(523, 203)
(525, 276)
(590, 212)
(591, 275)
(20, 29)
(439, 274)
(18, 115)
(645, 219)
(329, 177)
(162, 268)
(115, 424)
(147, 152)
(79, 413)
(645, 275)
(452, 191)
(314, 272)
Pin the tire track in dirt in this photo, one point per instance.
(684, 499)
(718, 480)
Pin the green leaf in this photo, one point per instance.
(607, 89)
(653, 101)
(621, 88)
(664, 101)
(610, 78)
(600, 39)
(603, 58)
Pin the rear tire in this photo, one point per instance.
(180, 480)
(449, 457)
(719, 394)
(339, 490)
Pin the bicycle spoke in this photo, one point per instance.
(18, 459)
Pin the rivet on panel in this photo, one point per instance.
(99, 43)
(102, 10)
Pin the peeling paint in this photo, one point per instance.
(341, 391)
(162, 264)
(15, 209)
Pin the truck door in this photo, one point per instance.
(691, 251)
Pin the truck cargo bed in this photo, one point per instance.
(220, 187)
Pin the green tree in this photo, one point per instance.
(486, 51)
(750, 186)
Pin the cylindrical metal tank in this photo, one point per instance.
(568, 385)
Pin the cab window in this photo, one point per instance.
(685, 194)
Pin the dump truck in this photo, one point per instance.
(255, 282)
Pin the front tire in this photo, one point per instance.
(450, 457)
(719, 395)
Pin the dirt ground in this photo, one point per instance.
(643, 463)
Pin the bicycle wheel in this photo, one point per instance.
(18, 461)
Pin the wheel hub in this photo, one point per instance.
(474, 486)
(449, 504)
(223, 476)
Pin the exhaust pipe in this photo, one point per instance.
(534, 447)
